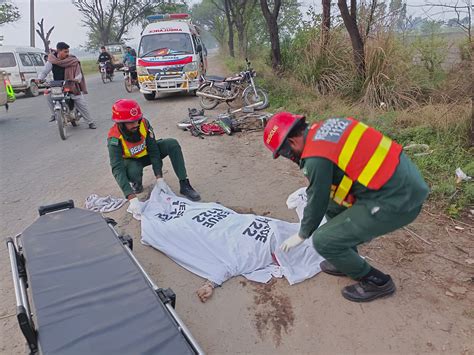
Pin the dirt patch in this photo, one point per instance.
(273, 312)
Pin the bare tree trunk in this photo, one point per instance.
(44, 36)
(271, 18)
(350, 21)
(240, 11)
(325, 23)
(230, 26)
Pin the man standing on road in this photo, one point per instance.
(361, 180)
(67, 67)
(132, 146)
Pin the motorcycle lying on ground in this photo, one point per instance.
(65, 111)
(215, 90)
(128, 79)
(104, 73)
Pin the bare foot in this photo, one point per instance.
(205, 291)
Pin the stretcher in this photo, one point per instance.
(89, 294)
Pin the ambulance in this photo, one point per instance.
(171, 55)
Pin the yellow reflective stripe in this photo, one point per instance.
(375, 161)
(143, 129)
(126, 152)
(351, 144)
(343, 189)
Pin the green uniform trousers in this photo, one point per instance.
(168, 147)
(337, 240)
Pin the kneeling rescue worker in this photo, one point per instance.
(132, 146)
(361, 180)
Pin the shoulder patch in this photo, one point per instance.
(150, 131)
(332, 130)
(113, 141)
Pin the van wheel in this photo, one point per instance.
(33, 90)
(149, 97)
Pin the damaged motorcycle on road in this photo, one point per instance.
(215, 90)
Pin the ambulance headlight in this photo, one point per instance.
(193, 66)
(141, 70)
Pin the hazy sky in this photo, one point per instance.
(66, 19)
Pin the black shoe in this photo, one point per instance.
(187, 190)
(365, 291)
(136, 187)
(92, 125)
(52, 118)
(330, 269)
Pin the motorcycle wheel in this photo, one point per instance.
(103, 76)
(111, 76)
(250, 98)
(128, 83)
(61, 126)
(205, 102)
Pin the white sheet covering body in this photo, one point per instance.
(217, 243)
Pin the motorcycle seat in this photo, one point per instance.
(233, 78)
(215, 78)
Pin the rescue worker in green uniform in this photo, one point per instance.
(132, 146)
(364, 184)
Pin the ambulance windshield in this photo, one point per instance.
(164, 44)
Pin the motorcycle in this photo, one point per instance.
(64, 109)
(128, 79)
(105, 74)
(215, 90)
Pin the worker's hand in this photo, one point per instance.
(291, 242)
(162, 185)
(135, 207)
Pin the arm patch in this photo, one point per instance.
(114, 141)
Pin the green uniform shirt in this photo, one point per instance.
(405, 191)
(117, 160)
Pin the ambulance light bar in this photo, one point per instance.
(164, 17)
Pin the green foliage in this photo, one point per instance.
(8, 13)
(432, 50)
(89, 66)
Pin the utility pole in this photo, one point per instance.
(32, 23)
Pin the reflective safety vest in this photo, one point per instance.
(363, 153)
(132, 149)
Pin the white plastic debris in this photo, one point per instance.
(461, 176)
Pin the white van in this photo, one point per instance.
(23, 64)
(171, 56)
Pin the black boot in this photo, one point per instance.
(136, 187)
(187, 190)
(330, 269)
(368, 289)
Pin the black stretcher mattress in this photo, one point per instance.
(89, 297)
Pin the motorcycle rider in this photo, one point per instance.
(132, 145)
(68, 67)
(105, 57)
(129, 59)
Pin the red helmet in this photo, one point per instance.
(126, 110)
(277, 129)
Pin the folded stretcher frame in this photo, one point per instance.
(89, 293)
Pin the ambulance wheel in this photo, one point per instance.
(33, 90)
(149, 97)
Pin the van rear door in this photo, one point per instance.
(9, 63)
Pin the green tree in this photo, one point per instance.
(8, 13)
(109, 21)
